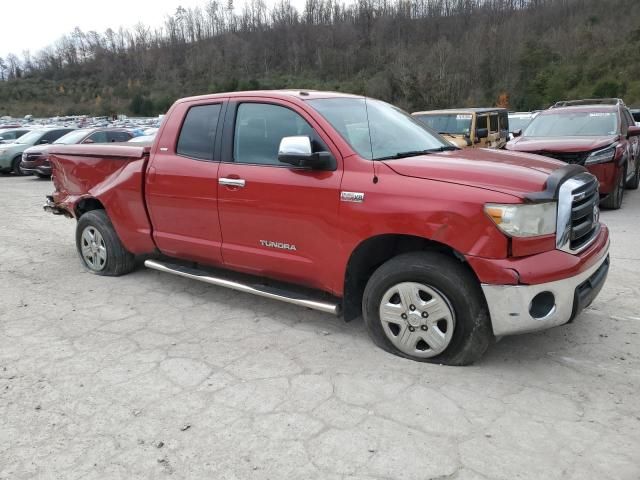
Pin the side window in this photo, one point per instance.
(629, 119)
(504, 121)
(493, 122)
(481, 121)
(118, 136)
(198, 134)
(259, 129)
(52, 136)
(98, 137)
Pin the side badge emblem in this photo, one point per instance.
(354, 197)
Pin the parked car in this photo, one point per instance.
(469, 127)
(148, 139)
(344, 206)
(35, 160)
(11, 153)
(603, 137)
(12, 134)
(635, 113)
(518, 121)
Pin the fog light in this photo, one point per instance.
(542, 305)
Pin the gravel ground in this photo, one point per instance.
(152, 376)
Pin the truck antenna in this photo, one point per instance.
(373, 162)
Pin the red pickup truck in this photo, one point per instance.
(346, 205)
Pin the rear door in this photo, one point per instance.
(277, 221)
(182, 183)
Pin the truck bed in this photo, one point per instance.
(112, 175)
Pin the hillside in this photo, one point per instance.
(417, 54)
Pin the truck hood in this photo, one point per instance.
(560, 144)
(506, 172)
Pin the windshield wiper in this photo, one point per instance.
(415, 153)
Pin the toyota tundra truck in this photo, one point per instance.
(346, 205)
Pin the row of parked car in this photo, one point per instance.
(23, 150)
(601, 134)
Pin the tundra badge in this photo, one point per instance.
(355, 197)
(280, 245)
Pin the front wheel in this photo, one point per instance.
(427, 307)
(99, 247)
(614, 200)
(15, 166)
(635, 180)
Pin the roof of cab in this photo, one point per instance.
(461, 110)
(282, 94)
(582, 108)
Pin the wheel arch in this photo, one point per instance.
(373, 252)
(87, 204)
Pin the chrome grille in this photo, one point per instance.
(567, 157)
(585, 214)
(578, 213)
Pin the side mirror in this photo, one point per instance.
(43, 142)
(88, 140)
(633, 132)
(481, 133)
(297, 151)
(517, 133)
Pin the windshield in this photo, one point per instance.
(388, 132)
(518, 123)
(72, 138)
(573, 124)
(453, 123)
(30, 138)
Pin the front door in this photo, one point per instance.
(182, 184)
(277, 221)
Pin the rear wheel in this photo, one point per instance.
(15, 166)
(614, 200)
(100, 248)
(427, 307)
(43, 176)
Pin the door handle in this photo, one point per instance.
(232, 182)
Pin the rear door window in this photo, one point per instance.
(493, 122)
(52, 136)
(98, 137)
(198, 133)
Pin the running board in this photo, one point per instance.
(267, 291)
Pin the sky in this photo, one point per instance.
(34, 24)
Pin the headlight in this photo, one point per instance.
(601, 156)
(524, 220)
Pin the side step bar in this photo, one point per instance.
(284, 295)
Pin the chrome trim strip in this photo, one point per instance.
(565, 206)
(323, 306)
(232, 182)
(509, 304)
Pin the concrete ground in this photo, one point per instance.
(150, 376)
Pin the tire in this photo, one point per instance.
(15, 166)
(459, 320)
(635, 180)
(614, 200)
(43, 176)
(96, 239)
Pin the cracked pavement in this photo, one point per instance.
(150, 376)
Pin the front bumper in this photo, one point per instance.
(513, 309)
(41, 167)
